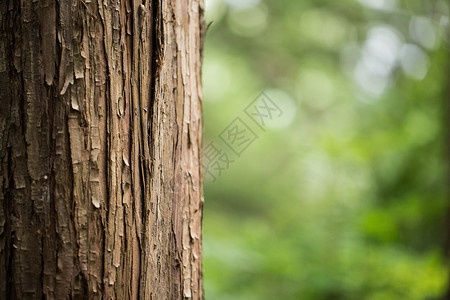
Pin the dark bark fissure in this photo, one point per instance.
(7, 230)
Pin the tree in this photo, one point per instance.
(100, 134)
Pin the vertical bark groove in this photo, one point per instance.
(100, 139)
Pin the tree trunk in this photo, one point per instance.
(100, 134)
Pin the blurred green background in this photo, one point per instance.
(345, 195)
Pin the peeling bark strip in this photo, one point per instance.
(100, 134)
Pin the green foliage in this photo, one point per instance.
(346, 197)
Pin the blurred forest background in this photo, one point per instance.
(345, 195)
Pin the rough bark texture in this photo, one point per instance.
(100, 134)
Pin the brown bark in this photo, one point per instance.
(100, 134)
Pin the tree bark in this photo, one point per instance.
(100, 140)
